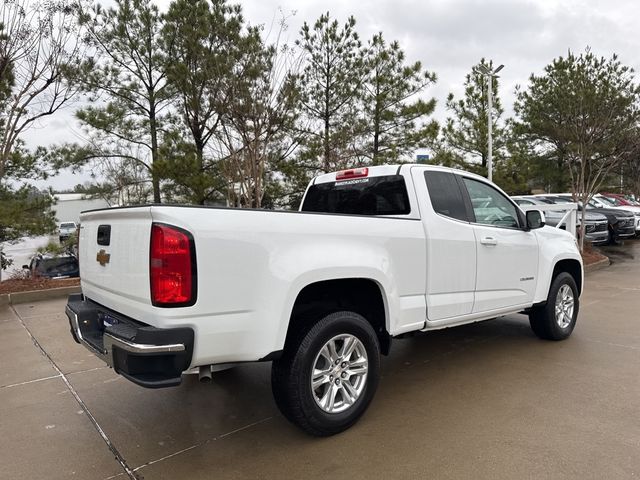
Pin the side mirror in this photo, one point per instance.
(535, 219)
(25, 267)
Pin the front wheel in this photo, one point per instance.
(557, 318)
(324, 383)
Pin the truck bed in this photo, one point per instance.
(251, 264)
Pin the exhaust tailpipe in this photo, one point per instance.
(204, 374)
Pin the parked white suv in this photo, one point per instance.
(65, 230)
(373, 254)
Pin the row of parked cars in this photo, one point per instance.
(608, 217)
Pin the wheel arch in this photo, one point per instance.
(362, 295)
(572, 267)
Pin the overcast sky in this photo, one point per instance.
(448, 37)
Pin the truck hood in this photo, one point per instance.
(612, 211)
(590, 216)
(558, 235)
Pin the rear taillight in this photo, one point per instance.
(172, 267)
(352, 173)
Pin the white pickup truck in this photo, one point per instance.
(372, 255)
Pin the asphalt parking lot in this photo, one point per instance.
(483, 401)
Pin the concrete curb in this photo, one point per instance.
(599, 265)
(37, 295)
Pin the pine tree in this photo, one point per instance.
(332, 81)
(128, 83)
(394, 118)
(204, 41)
(467, 131)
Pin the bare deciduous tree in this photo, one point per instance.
(42, 44)
(258, 126)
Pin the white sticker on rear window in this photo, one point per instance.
(341, 183)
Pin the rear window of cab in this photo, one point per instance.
(384, 195)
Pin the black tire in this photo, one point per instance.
(543, 319)
(291, 375)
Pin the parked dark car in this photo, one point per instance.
(621, 223)
(596, 224)
(601, 200)
(53, 266)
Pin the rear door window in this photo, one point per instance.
(385, 195)
(445, 194)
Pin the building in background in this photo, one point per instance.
(69, 205)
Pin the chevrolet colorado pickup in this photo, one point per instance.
(372, 255)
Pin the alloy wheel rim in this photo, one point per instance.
(564, 306)
(339, 373)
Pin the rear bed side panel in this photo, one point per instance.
(252, 265)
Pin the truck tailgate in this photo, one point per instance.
(114, 254)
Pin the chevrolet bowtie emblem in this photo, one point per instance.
(103, 257)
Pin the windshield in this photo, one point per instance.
(608, 202)
(385, 195)
(67, 225)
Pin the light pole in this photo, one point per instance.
(490, 76)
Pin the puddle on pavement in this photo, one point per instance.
(620, 253)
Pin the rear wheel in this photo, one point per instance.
(557, 318)
(324, 383)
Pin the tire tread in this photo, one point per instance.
(542, 318)
(287, 371)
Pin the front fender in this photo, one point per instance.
(555, 246)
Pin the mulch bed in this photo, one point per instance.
(591, 256)
(29, 284)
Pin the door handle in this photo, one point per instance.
(488, 241)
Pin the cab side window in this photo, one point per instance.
(491, 207)
(446, 195)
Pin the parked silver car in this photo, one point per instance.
(595, 223)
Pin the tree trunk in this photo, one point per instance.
(198, 191)
(376, 124)
(327, 149)
(155, 181)
(153, 126)
(583, 228)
